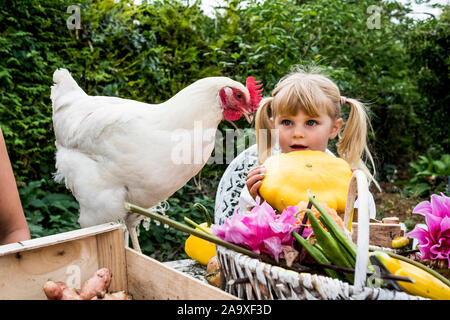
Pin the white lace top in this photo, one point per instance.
(232, 192)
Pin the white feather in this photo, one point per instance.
(111, 150)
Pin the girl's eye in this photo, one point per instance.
(286, 122)
(311, 123)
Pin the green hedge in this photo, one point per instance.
(151, 51)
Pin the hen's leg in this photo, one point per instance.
(132, 221)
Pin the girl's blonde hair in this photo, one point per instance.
(311, 91)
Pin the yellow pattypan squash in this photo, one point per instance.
(199, 249)
(289, 175)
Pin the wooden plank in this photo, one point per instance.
(149, 279)
(391, 220)
(57, 238)
(72, 257)
(111, 255)
(23, 274)
(381, 234)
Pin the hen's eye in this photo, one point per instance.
(239, 95)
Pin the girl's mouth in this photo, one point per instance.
(296, 147)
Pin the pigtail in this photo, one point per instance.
(263, 126)
(353, 142)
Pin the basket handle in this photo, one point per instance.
(358, 182)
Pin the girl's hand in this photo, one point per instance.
(254, 177)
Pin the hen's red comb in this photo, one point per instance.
(253, 88)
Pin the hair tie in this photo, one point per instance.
(343, 100)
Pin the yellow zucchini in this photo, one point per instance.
(426, 285)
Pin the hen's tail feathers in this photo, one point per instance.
(64, 85)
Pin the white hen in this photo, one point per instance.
(112, 150)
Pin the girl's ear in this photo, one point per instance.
(336, 128)
(272, 122)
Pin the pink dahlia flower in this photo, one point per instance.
(261, 229)
(434, 243)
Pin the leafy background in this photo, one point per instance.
(148, 52)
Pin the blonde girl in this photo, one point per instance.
(303, 113)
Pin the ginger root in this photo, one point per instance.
(59, 291)
(95, 288)
(119, 295)
(97, 285)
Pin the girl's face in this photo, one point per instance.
(302, 132)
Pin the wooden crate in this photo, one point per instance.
(381, 232)
(74, 256)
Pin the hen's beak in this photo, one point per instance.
(248, 115)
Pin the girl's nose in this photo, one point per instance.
(298, 132)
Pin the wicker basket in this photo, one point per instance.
(268, 282)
